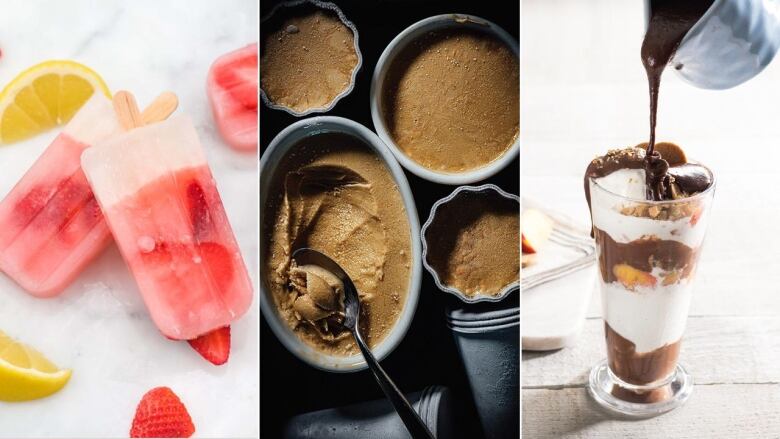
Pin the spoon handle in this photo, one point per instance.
(409, 416)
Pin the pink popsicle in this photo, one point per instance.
(51, 226)
(162, 206)
(232, 87)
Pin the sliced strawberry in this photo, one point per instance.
(161, 414)
(242, 91)
(66, 205)
(213, 346)
(214, 257)
(236, 72)
(91, 213)
(219, 262)
(526, 246)
(199, 211)
(30, 204)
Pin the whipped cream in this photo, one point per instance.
(648, 317)
(607, 216)
(629, 183)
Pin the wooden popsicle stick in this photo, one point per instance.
(127, 110)
(160, 108)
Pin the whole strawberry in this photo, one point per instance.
(161, 414)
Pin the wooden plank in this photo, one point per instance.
(714, 411)
(715, 350)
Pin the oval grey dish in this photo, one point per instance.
(480, 297)
(282, 145)
(332, 7)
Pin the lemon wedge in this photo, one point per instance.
(44, 96)
(25, 374)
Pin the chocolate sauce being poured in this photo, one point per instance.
(670, 20)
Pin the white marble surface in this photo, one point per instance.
(585, 91)
(99, 326)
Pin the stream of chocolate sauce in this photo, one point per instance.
(670, 20)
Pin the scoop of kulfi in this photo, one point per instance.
(320, 293)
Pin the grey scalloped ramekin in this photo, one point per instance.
(332, 7)
(481, 297)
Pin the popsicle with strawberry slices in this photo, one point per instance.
(50, 223)
(51, 226)
(162, 206)
(232, 87)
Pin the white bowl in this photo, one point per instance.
(332, 7)
(481, 297)
(392, 50)
(281, 145)
(731, 43)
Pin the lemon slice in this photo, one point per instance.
(25, 374)
(44, 96)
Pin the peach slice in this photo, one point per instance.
(526, 246)
(671, 277)
(696, 216)
(535, 230)
(632, 277)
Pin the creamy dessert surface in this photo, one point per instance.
(451, 99)
(333, 194)
(307, 57)
(320, 297)
(473, 243)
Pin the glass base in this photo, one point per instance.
(639, 401)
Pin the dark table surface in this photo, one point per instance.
(427, 355)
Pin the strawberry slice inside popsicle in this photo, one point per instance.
(233, 89)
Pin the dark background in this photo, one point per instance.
(427, 355)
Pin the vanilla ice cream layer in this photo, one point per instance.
(629, 183)
(120, 166)
(648, 317)
(605, 210)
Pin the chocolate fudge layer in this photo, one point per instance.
(639, 368)
(684, 179)
(673, 260)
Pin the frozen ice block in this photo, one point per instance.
(232, 87)
(51, 226)
(162, 206)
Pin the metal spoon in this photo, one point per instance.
(411, 419)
